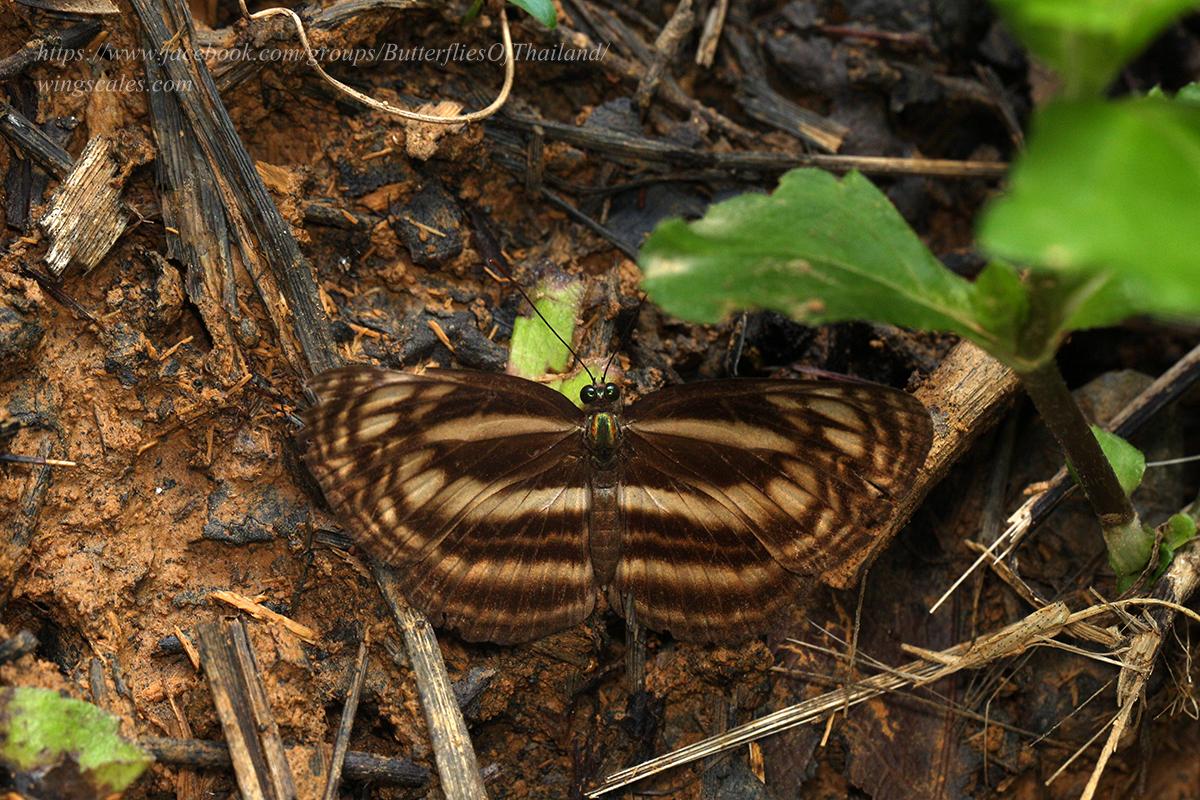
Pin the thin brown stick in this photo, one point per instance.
(640, 149)
(710, 37)
(360, 767)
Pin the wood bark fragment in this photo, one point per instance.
(710, 36)
(760, 100)
(33, 142)
(259, 761)
(85, 218)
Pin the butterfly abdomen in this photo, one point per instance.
(603, 435)
(605, 525)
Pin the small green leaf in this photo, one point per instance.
(1107, 192)
(535, 350)
(44, 734)
(473, 11)
(820, 250)
(1127, 461)
(1189, 94)
(1178, 531)
(1088, 41)
(541, 10)
(1001, 301)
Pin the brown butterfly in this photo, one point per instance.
(505, 508)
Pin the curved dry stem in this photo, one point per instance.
(388, 108)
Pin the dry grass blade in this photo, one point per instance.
(1010, 640)
(1037, 628)
(342, 744)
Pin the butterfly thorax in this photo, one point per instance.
(603, 434)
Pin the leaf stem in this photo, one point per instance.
(1129, 545)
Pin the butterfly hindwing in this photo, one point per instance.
(734, 490)
(691, 560)
(472, 485)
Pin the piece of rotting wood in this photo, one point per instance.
(761, 101)
(194, 222)
(62, 41)
(241, 701)
(85, 218)
(452, 749)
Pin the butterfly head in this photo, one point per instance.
(600, 394)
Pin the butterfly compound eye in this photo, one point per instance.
(588, 394)
(611, 392)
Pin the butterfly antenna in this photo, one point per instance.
(494, 259)
(626, 336)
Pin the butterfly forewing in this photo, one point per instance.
(734, 489)
(473, 485)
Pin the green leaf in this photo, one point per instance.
(541, 10)
(820, 250)
(52, 738)
(1189, 94)
(1107, 192)
(1127, 461)
(535, 351)
(473, 11)
(1088, 41)
(1001, 301)
(1178, 531)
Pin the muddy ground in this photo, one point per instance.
(188, 480)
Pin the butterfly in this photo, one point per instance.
(506, 509)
